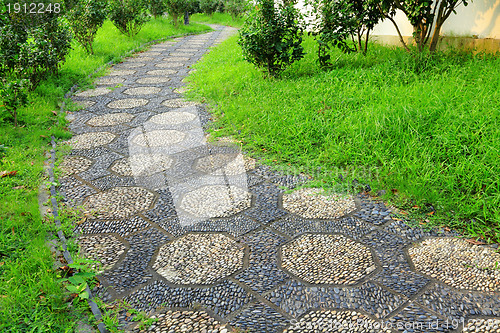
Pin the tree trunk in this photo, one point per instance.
(175, 18)
(435, 37)
(366, 41)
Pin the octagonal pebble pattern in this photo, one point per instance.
(336, 321)
(327, 259)
(216, 201)
(74, 164)
(85, 104)
(140, 59)
(185, 321)
(90, 140)
(106, 249)
(169, 64)
(229, 164)
(152, 80)
(176, 59)
(177, 103)
(110, 80)
(127, 103)
(261, 296)
(142, 91)
(159, 138)
(161, 72)
(122, 72)
(173, 118)
(311, 203)
(458, 263)
(199, 259)
(118, 202)
(141, 165)
(110, 119)
(94, 92)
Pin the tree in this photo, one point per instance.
(32, 45)
(128, 16)
(236, 7)
(271, 36)
(426, 16)
(209, 6)
(177, 8)
(335, 22)
(157, 7)
(85, 19)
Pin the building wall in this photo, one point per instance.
(480, 19)
(476, 25)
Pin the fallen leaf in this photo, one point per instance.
(83, 220)
(475, 242)
(7, 173)
(446, 229)
(54, 112)
(416, 207)
(394, 190)
(431, 213)
(43, 136)
(18, 187)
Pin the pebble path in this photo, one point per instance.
(203, 239)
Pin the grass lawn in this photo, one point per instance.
(427, 132)
(218, 18)
(31, 296)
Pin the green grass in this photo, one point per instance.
(31, 297)
(429, 133)
(218, 18)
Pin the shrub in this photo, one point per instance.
(177, 8)
(208, 6)
(157, 7)
(236, 7)
(85, 18)
(337, 22)
(14, 94)
(128, 16)
(271, 36)
(32, 45)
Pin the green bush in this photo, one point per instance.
(339, 22)
(85, 18)
(271, 36)
(157, 7)
(14, 94)
(32, 45)
(209, 7)
(236, 7)
(177, 8)
(128, 16)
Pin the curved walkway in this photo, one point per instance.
(204, 240)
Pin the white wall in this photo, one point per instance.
(480, 18)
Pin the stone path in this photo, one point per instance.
(205, 240)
